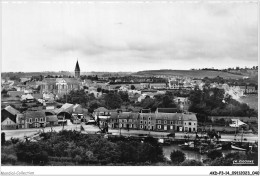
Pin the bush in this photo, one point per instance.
(177, 156)
(77, 159)
(12, 159)
(191, 163)
(6, 95)
(214, 154)
(221, 162)
(2, 138)
(41, 157)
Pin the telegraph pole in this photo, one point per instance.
(63, 122)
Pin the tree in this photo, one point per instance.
(113, 101)
(99, 89)
(77, 97)
(94, 104)
(214, 154)
(124, 96)
(147, 103)
(15, 78)
(2, 138)
(78, 159)
(177, 156)
(191, 163)
(168, 102)
(221, 162)
(4, 92)
(132, 87)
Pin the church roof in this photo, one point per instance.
(77, 67)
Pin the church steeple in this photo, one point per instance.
(77, 70)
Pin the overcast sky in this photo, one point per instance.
(128, 36)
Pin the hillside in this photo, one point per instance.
(188, 73)
(67, 73)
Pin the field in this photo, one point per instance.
(188, 73)
(250, 100)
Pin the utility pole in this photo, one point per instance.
(63, 122)
(242, 136)
(76, 123)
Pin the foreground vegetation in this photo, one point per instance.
(74, 148)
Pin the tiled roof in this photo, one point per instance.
(189, 117)
(49, 111)
(49, 80)
(167, 110)
(113, 115)
(146, 110)
(71, 80)
(134, 115)
(242, 87)
(131, 115)
(170, 116)
(28, 96)
(66, 106)
(135, 109)
(37, 96)
(152, 115)
(101, 109)
(15, 93)
(77, 109)
(52, 118)
(12, 110)
(35, 114)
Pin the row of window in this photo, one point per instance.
(171, 122)
(149, 118)
(149, 122)
(69, 86)
(165, 127)
(142, 118)
(190, 123)
(145, 122)
(125, 120)
(158, 121)
(190, 129)
(151, 127)
(36, 120)
(125, 125)
(8, 122)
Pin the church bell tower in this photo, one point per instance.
(77, 70)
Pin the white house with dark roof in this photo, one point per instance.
(27, 97)
(190, 122)
(102, 112)
(8, 124)
(8, 118)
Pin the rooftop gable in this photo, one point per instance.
(12, 110)
(166, 110)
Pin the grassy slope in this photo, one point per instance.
(188, 73)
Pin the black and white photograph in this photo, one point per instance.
(103, 87)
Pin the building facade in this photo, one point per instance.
(189, 122)
(35, 119)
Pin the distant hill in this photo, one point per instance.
(67, 73)
(29, 74)
(189, 73)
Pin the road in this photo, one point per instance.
(20, 133)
